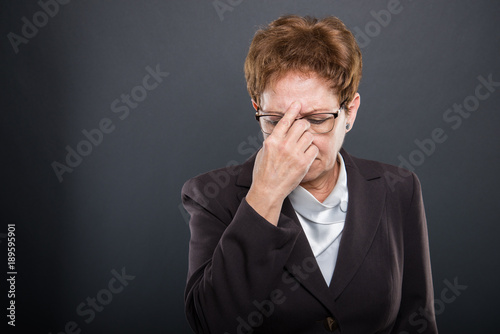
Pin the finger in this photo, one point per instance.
(311, 153)
(305, 141)
(287, 121)
(258, 157)
(297, 130)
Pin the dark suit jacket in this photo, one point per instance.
(249, 276)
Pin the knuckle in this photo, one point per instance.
(277, 144)
(285, 122)
(303, 123)
(268, 143)
(282, 146)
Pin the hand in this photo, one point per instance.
(281, 164)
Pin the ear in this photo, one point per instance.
(353, 107)
(255, 105)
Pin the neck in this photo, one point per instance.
(322, 186)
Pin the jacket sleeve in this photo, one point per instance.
(234, 260)
(416, 313)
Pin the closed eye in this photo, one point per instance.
(272, 119)
(317, 120)
(272, 122)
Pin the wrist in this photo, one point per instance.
(268, 205)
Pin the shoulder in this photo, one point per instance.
(211, 183)
(399, 187)
(218, 191)
(399, 182)
(373, 167)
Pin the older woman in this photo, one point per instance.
(303, 237)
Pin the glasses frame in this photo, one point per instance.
(334, 114)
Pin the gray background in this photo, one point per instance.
(120, 207)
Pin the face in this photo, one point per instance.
(315, 96)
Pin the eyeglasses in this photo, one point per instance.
(320, 122)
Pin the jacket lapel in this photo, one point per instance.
(302, 258)
(366, 203)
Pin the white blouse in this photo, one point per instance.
(323, 222)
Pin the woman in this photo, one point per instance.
(303, 237)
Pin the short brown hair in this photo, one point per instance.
(305, 44)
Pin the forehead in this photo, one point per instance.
(309, 89)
